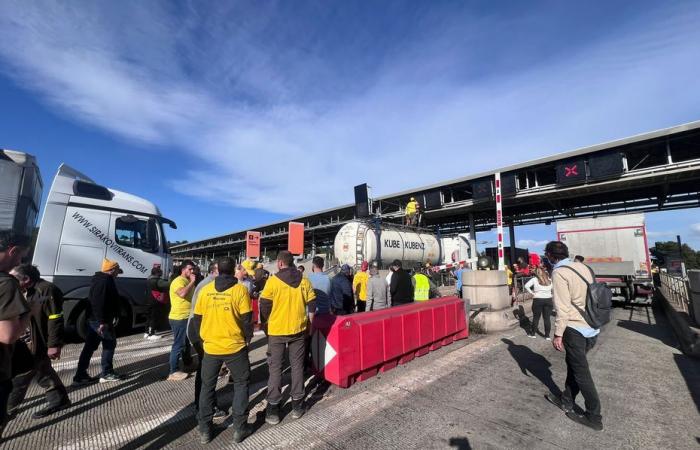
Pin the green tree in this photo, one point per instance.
(669, 249)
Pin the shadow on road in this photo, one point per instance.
(460, 443)
(523, 320)
(532, 363)
(172, 429)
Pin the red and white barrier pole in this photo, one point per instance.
(499, 222)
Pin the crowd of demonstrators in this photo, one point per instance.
(223, 320)
(377, 290)
(359, 287)
(573, 334)
(321, 283)
(103, 315)
(287, 305)
(157, 296)
(540, 286)
(44, 338)
(342, 301)
(181, 290)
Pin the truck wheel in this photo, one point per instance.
(81, 325)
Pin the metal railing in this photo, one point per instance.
(676, 290)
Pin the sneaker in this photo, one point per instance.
(146, 335)
(532, 335)
(556, 401)
(83, 381)
(51, 409)
(154, 337)
(219, 413)
(178, 376)
(272, 414)
(584, 420)
(110, 378)
(547, 338)
(205, 435)
(298, 408)
(242, 432)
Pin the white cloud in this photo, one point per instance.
(297, 136)
(531, 244)
(695, 228)
(658, 234)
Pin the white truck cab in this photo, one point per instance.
(83, 223)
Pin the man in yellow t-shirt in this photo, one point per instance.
(223, 316)
(359, 287)
(181, 290)
(284, 303)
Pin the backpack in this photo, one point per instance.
(598, 301)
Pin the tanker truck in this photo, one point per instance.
(359, 241)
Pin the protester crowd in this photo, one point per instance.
(215, 314)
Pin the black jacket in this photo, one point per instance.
(46, 319)
(104, 299)
(401, 288)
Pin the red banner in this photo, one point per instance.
(296, 238)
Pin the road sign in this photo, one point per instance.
(252, 244)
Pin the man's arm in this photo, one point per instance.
(562, 302)
(394, 284)
(183, 291)
(55, 325)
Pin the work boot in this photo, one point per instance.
(298, 408)
(83, 380)
(51, 409)
(206, 434)
(242, 432)
(558, 402)
(272, 414)
(585, 420)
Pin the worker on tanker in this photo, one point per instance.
(359, 287)
(412, 208)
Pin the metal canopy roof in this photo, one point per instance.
(655, 181)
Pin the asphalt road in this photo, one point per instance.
(484, 392)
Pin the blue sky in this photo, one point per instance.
(233, 114)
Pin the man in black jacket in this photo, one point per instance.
(401, 287)
(44, 338)
(104, 306)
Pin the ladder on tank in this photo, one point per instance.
(360, 244)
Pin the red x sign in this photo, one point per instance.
(571, 171)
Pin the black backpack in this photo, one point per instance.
(598, 301)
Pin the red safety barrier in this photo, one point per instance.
(355, 347)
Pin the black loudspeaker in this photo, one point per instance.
(361, 201)
(571, 172)
(482, 189)
(605, 166)
(508, 186)
(433, 200)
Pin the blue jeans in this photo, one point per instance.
(92, 341)
(181, 345)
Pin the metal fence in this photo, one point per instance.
(676, 290)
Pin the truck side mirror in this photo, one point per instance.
(152, 235)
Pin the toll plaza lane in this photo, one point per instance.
(482, 392)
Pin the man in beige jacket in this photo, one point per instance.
(573, 335)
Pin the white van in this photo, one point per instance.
(83, 223)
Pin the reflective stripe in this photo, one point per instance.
(55, 316)
(421, 292)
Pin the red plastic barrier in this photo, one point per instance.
(355, 347)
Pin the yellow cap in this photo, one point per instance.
(109, 265)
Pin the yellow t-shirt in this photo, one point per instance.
(180, 306)
(222, 327)
(359, 284)
(411, 207)
(288, 314)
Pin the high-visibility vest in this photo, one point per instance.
(421, 292)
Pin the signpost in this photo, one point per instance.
(252, 244)
(499, 222)
(296, 238)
